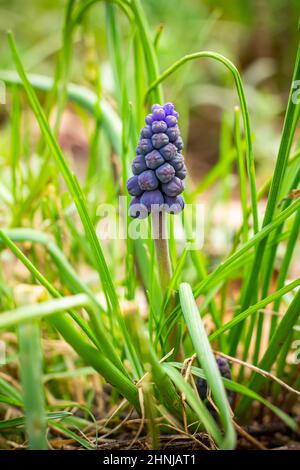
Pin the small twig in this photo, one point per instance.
(142, 405)
(248, 437)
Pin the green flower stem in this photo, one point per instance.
(160, 235)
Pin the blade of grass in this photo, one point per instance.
(243, 390)
(197, 405)
(284, 268)
(244, 109)
(104, 342)
(20, 422)
(80, 203)
(289, 128)
(50, 309)
(278, 339)
(207, 360)
(221, 271)
(251, 310)
(31, 380)
(80, 95)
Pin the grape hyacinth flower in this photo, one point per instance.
(158, 168)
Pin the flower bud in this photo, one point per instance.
(173, 133)
(138, 165)
(174, 204)
(165, 173)
(179, 143)
(151, 198)
(171, 120)
(173, 188)
(158, 113)
(154, 159)
(177, 162)
(133, 186)
(168, 151)
(146, 132)
(181, 173)
(147, 180)
(159, 127)
(137, 210)
(145, 146)
(159, 140)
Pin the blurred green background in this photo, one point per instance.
(259, 36)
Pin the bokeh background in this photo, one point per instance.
(259, 36)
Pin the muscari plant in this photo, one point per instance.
(155, 370)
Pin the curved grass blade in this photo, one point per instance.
(244, 109)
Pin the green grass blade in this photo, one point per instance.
(207, 360)
(80, 95)
(20, 422)
(251, 310)
(281, 334)
(80, 203)
(244, 109)
(243, 390)
(31, 379)
(196, 404)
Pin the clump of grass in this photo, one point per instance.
(51, 232)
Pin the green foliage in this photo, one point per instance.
(129, 317)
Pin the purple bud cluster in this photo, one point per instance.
(158, 168)
(225, 372)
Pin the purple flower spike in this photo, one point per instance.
(151, 198)
(159, 140)
(154, 159)
(173, 188)
(174, 204)
(168, 151)
(133, 186)
(159, 126)
(137, 210)
(139, 165)
(158, 167)
(146, 132)
(147, 180)
(165, 173)
(145, 146)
